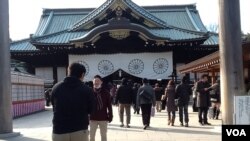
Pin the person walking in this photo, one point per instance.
(72, 102)
(135, 90)
(183, 93)
(203, 99)
(124, 99)
(104, 112)
(145, 100)
(47, 94)
(170, 102)
(217, 99)
(194, 93)
(158, 95)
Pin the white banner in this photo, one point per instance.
(242, 113)
(143, 65)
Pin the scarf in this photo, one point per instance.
(98, 99)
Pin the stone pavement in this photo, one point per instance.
(37, 127)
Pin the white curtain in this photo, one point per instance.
(143, 65)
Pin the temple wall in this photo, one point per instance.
(61, 73)
(27, 94)
(44, 72)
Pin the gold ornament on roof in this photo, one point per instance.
(119, 34)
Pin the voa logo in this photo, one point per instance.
(236, 132)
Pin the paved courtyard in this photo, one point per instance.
(38, 127)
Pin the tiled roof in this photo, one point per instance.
(145, 13)
(173, 15)
(58, 21)
(133, 7)
(55, 23)
(59, 38)
(92, 14)
(22, 46)
(177, 34)
(174, 34)
(212, 40)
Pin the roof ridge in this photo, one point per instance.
(171, 5)
(18, 41)
(144, 10)
(188, 30)
(90, 15)
(48, 10)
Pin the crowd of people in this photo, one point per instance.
(78, 107)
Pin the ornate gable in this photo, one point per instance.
(115, 9)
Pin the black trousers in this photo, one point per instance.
(202, 114)
(146, 113)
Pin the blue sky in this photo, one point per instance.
(25, 14)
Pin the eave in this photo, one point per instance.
(211, 62)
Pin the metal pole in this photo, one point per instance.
(231, 72)
(6, 126)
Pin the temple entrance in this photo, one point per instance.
(116, 77)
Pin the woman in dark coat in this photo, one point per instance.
(170, 102)
(216, 99)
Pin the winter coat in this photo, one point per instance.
(103, 110)
(72, 102)
(170, 98)
(158, 93)
(203, 97)
(150, 91)
(216, 95)
(183, 93)
(124, 95)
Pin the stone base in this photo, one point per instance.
(9, 135)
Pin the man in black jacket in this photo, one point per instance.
(124, 97)
(72, 103)
(203, 99)
(183, 93)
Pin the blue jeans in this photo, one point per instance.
(183, 110)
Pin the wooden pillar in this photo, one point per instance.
(231, 65)
(6, 127)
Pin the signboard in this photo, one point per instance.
(242, 110)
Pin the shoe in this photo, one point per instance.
(206, 123)
(186, 125)
(145, 127)
(121, 125)
(169, 122)
(201, 124)
(181, 124)
(127, 126)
